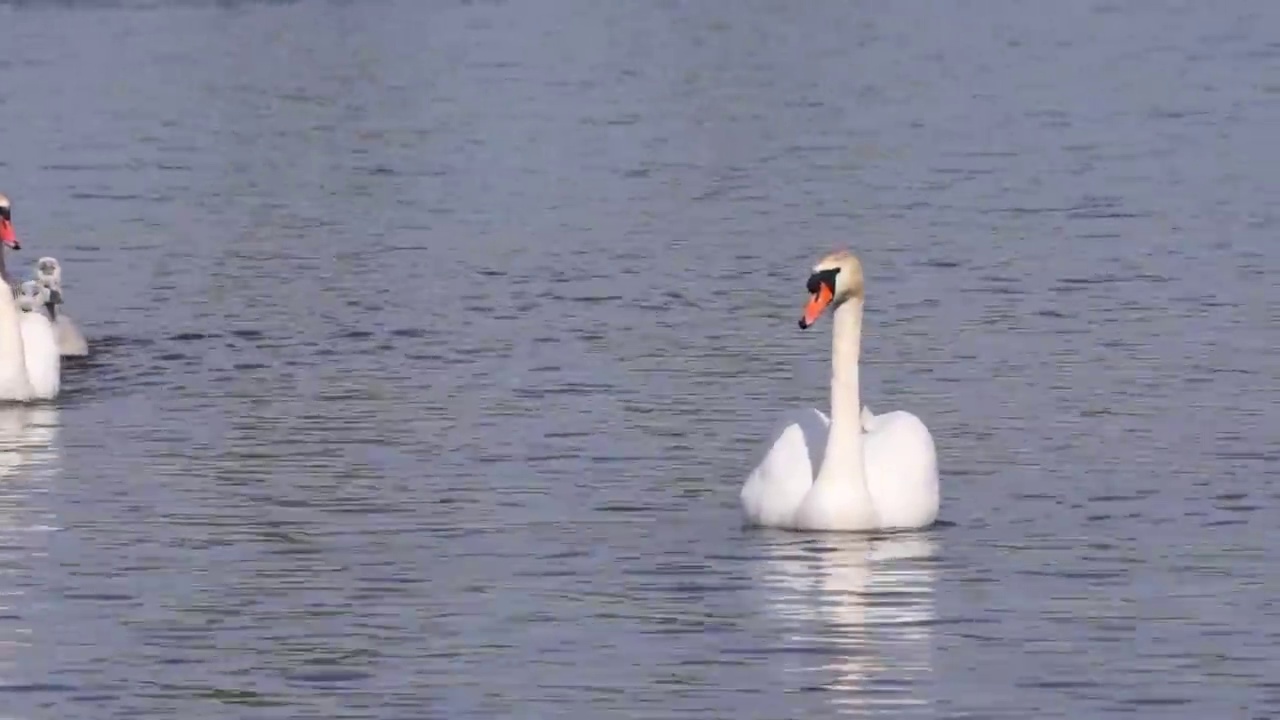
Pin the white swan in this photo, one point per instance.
(14, 385)
(7, 237)
(71, 342)
(40, 347)
(858, 471)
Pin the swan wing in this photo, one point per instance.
(71, 341)
(902, 470)
(775, 488)
(40, 355)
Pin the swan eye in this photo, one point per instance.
(5, 212)
(820, 278)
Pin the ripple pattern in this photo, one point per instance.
(434, 340)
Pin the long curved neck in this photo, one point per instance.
(843, 455)
(846, 347)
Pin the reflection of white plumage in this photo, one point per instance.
(867, 601)
(857, 471)
(71, 342)
(27, 459)
(27, 433)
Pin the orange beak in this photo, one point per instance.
(7, 235)
(817, 303)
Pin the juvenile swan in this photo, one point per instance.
(858, 471)
(71, 342)
(40, 348)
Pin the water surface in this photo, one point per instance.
(434, 340)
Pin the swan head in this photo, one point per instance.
(49, 270)
(49, 277)
(7, 235)
(836, 279)
(32, 294)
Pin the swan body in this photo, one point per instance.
(14, 385)
(71, 342)
(39, 344)
(856, 471)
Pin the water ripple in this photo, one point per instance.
(432, 342)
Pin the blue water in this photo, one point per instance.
(433, 341)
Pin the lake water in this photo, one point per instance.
(433, 341)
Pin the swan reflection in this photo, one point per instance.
(28, 435)
(858, 612)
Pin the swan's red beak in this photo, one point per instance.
(817, 303)
(6, 234)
